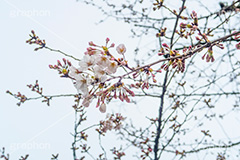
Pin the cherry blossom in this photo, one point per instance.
(99, 73)
(121, 49)
(103, 62)
(112, 67)
(88, 61)
(82, 83)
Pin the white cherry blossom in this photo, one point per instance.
(112, 67)
(88, 61)
(103, 62)
(121, 49)
(73, 71)
(99, 73)
(81, 83)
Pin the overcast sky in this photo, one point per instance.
(34, 128)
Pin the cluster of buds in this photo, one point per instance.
(84, 148)
(63, 69)
(83, 135)
(35, 88)
(180, 153)
(194, 17)
(39, 90)
(180, 10)
(158, 4)
(193, 26)
(176, 105)
(177, 62)
(162, 32)
(182, 30)
(117, 153)
(35, 40)
(209, 55)
(175, 126)
(111, 122)
(206, 133)
(76, 105)
(145, 148)
(146, 152)
(117, 90)
(173, 118)
(22, 98)
(148, 72)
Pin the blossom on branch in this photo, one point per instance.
(121, 49)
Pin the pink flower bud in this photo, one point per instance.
(64, 60)
(59, 63)
(183, 25)
(69, 63)
(197, 38)
(112, 45)
(165, 45)
(91, 44)
(103, 108)
(150, 149)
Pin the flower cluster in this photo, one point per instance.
(148, 72)
(95, 68)
(117, 90)
(192, 26)
(177, 152)
(39, 90)
(35, 40)
(117, 153)
(146, 149)
(158, 4)
(22, 98)
(209, 56)
(112, 122)
(167, 52)
(162, 32)
(63, 69)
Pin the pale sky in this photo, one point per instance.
(65, 25)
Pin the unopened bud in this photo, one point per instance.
(59, 63)
(91, 44)
(107, 40)
(64, 60)
(165, 45)
(112, 45)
